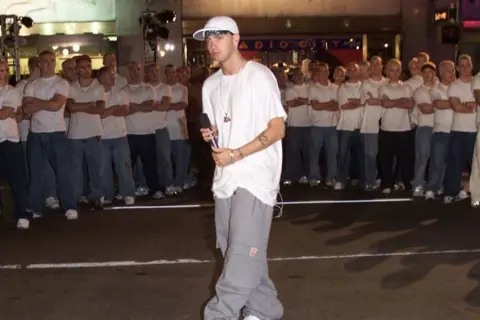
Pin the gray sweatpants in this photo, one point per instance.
(243, 227)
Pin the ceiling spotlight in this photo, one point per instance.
(27, 21)
(65, 52)
(385, 45)
(76, 48)
(162, 53)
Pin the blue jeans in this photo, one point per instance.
(181, 160)
(349, 141)
(423, 137)
(164, 157)
(370, 149)
(50, 185)
(53, 148)
(143, 146)
(88, 151)
(438, 157)
(117, 152)
(297, 149)
(138, 176)
(459, 156)
(326, 137)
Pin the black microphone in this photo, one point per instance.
(205, 124)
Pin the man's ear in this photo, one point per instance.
(236, 39)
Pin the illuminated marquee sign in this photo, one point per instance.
(299, 44)
(448, 14)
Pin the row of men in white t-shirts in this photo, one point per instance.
(110, 124)
(424, 122)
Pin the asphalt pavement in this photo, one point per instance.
(331, 259)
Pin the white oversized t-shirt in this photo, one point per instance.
(114, 127)
(396, 119)
(24, 125)
(85, 125)
(140, 123)
(120, 81)
(160, 117)
(371, 113)
(176, 119)
(415, 82)
(45, 89)
(476, 86)
(422, 95)
(463, 122)
(254, 101)
(350, 119)
(298, 116)
(9, 97)
(443, 118)
(321, 93)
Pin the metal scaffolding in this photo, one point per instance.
(10, 41)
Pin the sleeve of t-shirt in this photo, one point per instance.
(206, 105)
(422, 96)
(454, 91)
(476, 82)
(342, 96)
(125, 97)
(435, 94)
(62, 88)
(29, 90)
(167, 92)
(290, 94)
(150, 94)
(185, 95)
(100, 94)
(382, 91)
(364, 90)
(408, 92)
(267, 86)
(13, 99)
(311, 94)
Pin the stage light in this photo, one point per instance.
(27, 21)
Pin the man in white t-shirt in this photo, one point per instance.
(177, 129)
(45, 100)
(140, 128)
(69, 73)
(349, 123)
(298, 131)
(110, 61)
(424, 129)
(243, 103)
(395, 137)
(86, 101)
(463, 133)
(115, 149)
(371, 120)
(11, 151)
(442, 124)
(324, 118)
(162, 138)
(50, 185)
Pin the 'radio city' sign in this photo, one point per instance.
(299, 44)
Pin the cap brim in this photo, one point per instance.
(199, 35)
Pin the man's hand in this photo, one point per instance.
(207, 134)
(223, 156)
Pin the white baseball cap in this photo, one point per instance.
(220, 23)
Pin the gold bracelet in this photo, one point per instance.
(231, 155)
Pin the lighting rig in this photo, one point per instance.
(10, 39)
(154, 27)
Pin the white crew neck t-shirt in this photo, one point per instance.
(351, 119)
(396, 119)
(114, 127)
(160, 117)
(254, 100)
(321, 93)
(298, 116)
(85, 125)
(463, 122)
(442, 120)
(176, 119)
(45, 121)
(9, 97)
(422, 95)
(371, 114)
(140, 123)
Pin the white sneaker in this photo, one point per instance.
(339, 186)
(418, 191)
(462, 195)
(178, 190)
(429, 195)
(170, 191)
(141, 191)
(314, 183)
(129, 201)
(84, 199)
(71, 214)
(158, 195)
(23, 224)
(387, 191)
(104, 200)
(251, 318)
(303, 180)
(52, 203)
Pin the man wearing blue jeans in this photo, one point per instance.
(114, 141)
(351, 113)
(177, 129)
(464, 130)
(86, 101)
(442, 125)
(323, 100)
(423, 134)
(45, 100)
(162, 138)
(371, 120)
